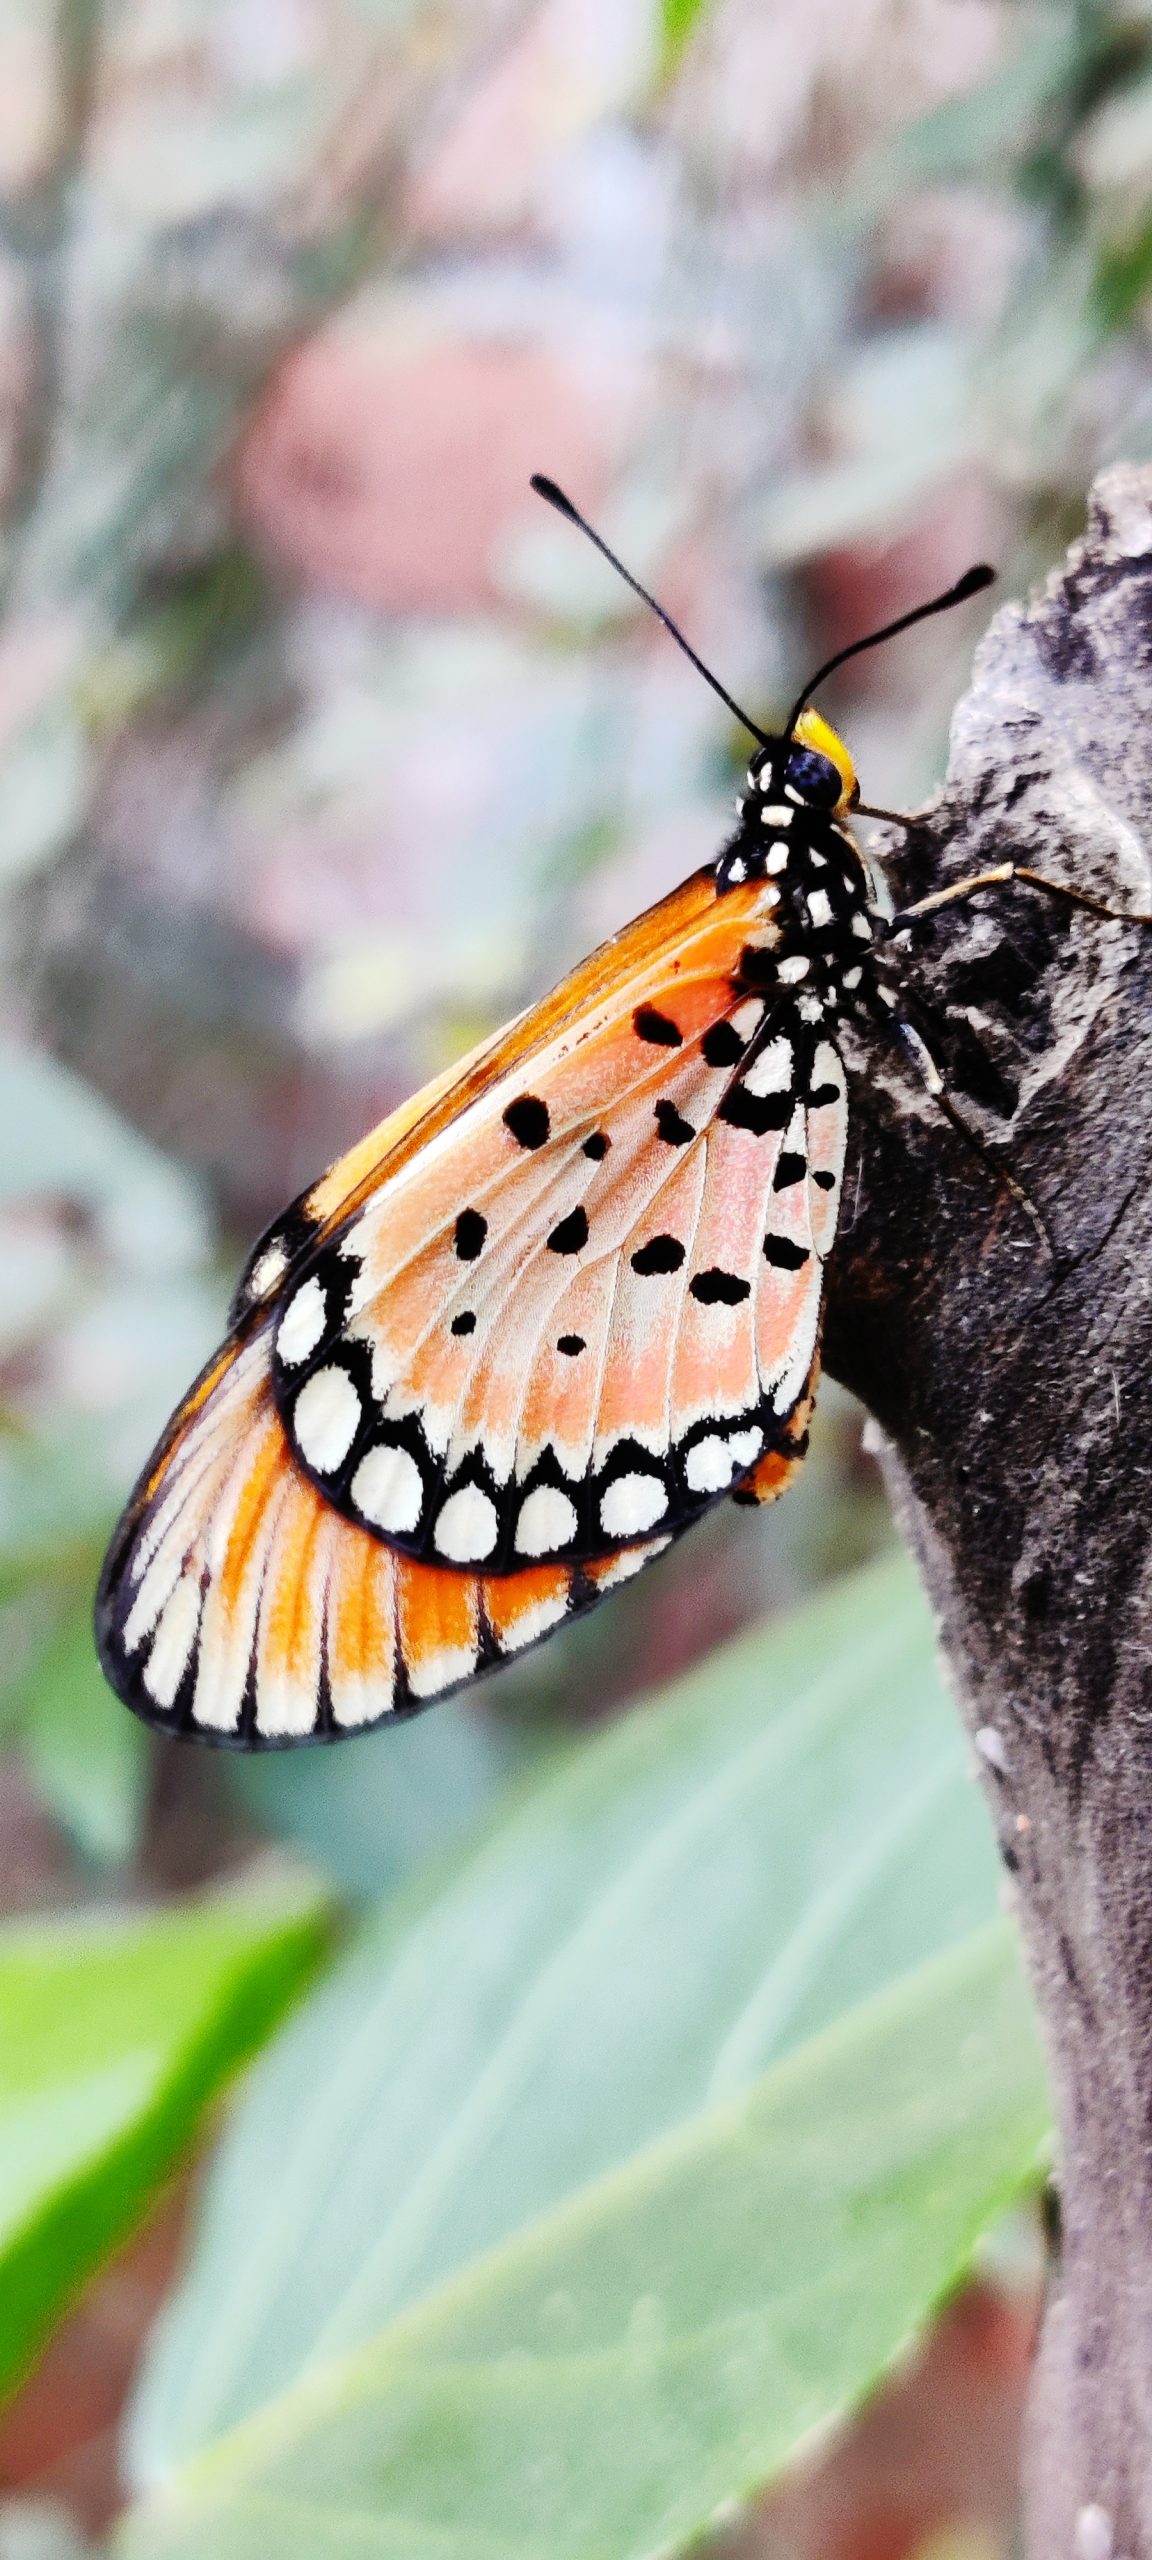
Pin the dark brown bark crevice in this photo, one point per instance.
(1014, 1392)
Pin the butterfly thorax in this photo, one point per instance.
(791, 832)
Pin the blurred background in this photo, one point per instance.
(323, 747)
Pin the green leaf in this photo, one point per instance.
(690, 1895)
(608, 2383)
(979, 133)
(87, 1759)
(678, 23)
(114, 2034)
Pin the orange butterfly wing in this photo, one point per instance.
(279, 1576)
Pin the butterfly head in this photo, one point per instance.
(811, 769)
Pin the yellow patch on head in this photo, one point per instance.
(812, 731)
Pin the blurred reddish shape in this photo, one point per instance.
(59, 2438)
(388, 467)
(938, 2447)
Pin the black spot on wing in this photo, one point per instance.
(571, 1235)
(822, 1093)
(471, 1230)
(757, 966)
(785, 1254)
(661, 1253)
(824, 1181)
(527, 1119)
(722, 1045)
(673, 1128)
(716, 1288)
(465, 1323)
(648, 1024)
(790, 1168)
(759, 1112)
(571, 1344)
(597, 1145)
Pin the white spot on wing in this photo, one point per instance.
(709, 1464)
(795, 967)
(302, 1323)
(326, 1418)
(388, 1489)
(748, 1018)
(772, 1071)
(746, 1446)
(468, 1526)
(267, 1272)
(633, 1502)
(819, 906)
(548, 1520)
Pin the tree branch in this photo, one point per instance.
(1014, 1392)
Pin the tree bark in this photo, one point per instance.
(1013, 1389)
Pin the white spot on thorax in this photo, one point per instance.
(810, 1008)
(990, 1745)
(795, 967)
(819, 906)
(738, 868)
(861, 928)
(302, 1323)
(326, 1418)
(632, 1503)
(388, 1489)
(776, 858)
(851, 977)
(817, 860)
(772, 1071)
(774, 814)
(548, 1520)
(468, 1526)
(791, 793)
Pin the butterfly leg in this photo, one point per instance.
(998, 877)
(916, 1049)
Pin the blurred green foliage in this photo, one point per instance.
(115, 2033)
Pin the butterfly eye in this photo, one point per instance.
(816, 776)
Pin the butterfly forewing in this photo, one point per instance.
(587, 1306)
(516, 1340)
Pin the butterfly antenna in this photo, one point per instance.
(555, 497)
(970, 584)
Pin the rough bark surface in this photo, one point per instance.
(1014, 1392)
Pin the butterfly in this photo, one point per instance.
(545, 1316)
